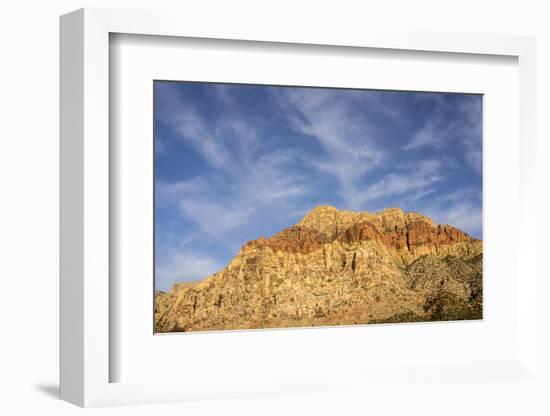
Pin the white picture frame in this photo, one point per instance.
(85, 206)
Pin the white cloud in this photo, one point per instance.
(169, 193)
(460, 208)
(192, 129)
(466, 216)
(462, 194)
(215, 217)
(416, 178)
(418, 195)
(434, 133)
(186, 267)
(239, 192)
(346, 139)
(440, 128)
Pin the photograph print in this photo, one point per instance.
(287, 206)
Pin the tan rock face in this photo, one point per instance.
(336, 268)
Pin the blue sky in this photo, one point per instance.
(236, 162)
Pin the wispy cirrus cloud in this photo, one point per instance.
(236, 192)
(461, 208)
(434, 133)
(465, 215)
(209, 140)
(332, 118)
(415, 178)
(459, 122)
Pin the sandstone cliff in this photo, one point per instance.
(336, 268)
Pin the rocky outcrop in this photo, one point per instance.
(334, 268)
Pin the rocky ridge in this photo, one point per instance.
(336, 267)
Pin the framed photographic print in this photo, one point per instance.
(271, 212)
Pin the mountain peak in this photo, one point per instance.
(323, 208)
(327, 219)
(410, 233)
(322, 212)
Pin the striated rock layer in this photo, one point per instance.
(336, 268)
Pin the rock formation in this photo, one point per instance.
(336, 268)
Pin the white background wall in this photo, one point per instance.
(29, 186)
